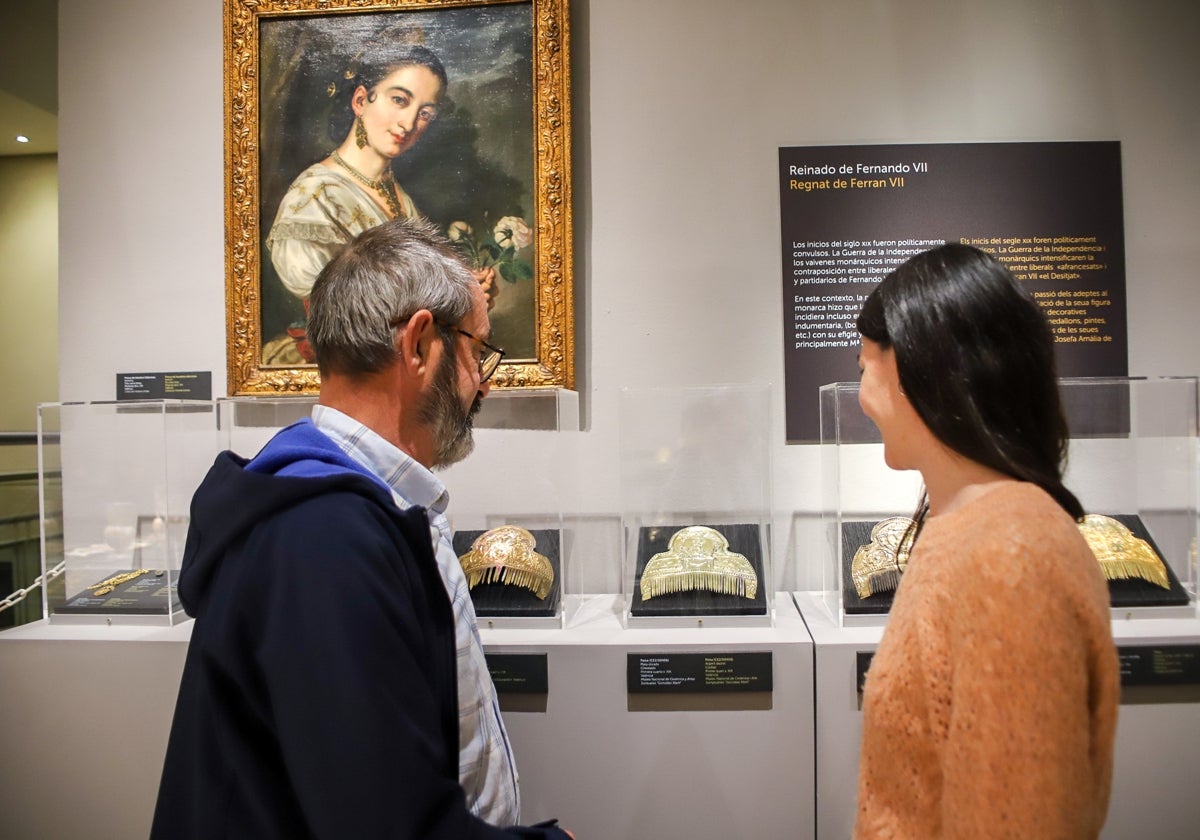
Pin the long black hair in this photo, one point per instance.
(976, 360)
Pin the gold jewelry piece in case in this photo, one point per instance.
(107, 585)
(698, 557)
(506, 555)
(1122, 555)
(878, 565)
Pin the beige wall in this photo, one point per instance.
(28, 295)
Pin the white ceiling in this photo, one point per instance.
(28, 76)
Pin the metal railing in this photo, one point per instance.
(20, 537)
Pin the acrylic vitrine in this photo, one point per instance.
(116, 481)
(513, 506)
(1132, 460)
(245, 424)
(506, 498)
(695, 487)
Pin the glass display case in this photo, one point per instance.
(1132, 461)
(115, 485)
(513, 505)
(695, 488)
(245, 424)
(507, 499)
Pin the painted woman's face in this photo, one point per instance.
(884, 402)
(399, 109)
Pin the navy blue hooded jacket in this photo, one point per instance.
(319, 695)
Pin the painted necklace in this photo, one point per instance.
(385, 186)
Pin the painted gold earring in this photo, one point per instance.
(360, 133)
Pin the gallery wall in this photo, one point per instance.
(679, 109)
(28, 287)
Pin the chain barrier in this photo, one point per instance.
(19, 596)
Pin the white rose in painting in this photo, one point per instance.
(512, 232)
(458, 230)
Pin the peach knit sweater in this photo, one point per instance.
(990, 707)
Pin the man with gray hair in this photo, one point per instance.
(335, 685)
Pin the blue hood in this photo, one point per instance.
(297, 463)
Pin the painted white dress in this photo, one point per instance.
(320, 213)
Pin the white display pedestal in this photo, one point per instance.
(86, 714)
(87, 710)
(612, 764)
(1158, 732)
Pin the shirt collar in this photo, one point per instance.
(408, 479)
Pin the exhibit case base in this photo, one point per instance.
(493, 622)
(694, 619)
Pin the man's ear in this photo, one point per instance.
(415, 341)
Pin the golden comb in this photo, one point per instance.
(506, 555)
(698, 557)
(878, 565)
(1121, 554)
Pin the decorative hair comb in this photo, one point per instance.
(1122, 555)
(878, 565)
(698, 557)
(506, 555)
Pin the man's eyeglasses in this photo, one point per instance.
(489, 356)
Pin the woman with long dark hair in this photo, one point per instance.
(990, 707)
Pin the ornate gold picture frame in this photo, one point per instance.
(492, 167)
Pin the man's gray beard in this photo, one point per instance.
(451, 423)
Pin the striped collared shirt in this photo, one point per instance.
(486, 769)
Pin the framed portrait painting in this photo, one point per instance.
(341, 114)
